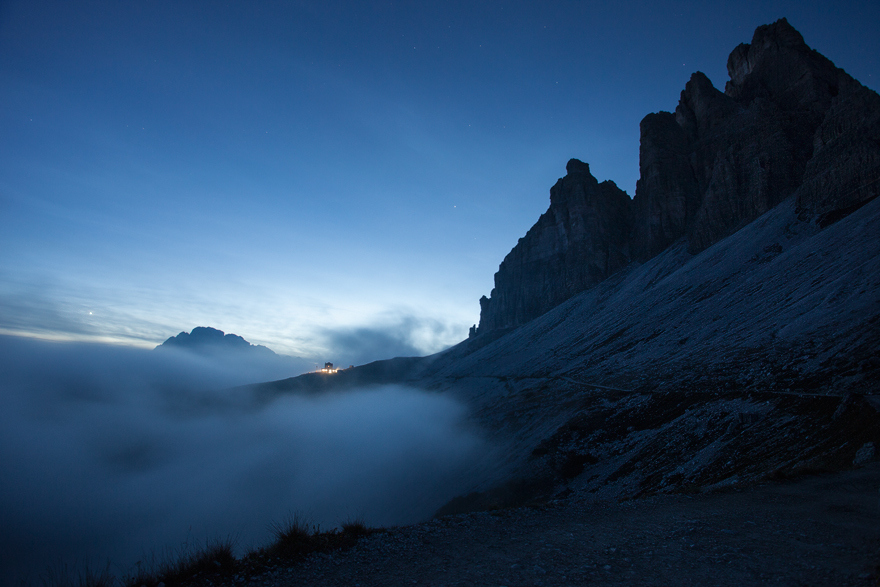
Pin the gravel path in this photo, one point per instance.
(822, 530)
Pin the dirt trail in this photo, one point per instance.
(821, 530)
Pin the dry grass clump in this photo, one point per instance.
(214, 562)
(356, 528)
(188, 564)
(62, 575)
(296, 538)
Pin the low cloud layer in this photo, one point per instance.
(47, 309)
(401, 336)
(115, 453)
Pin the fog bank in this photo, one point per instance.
(116, 453)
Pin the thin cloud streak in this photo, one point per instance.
(396, 336)
(56, 309)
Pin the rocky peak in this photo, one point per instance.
(779, 66)
(769, 38)
(702, 106)
(580, 240)
(576, 167)
(577, 183)
(204, 339)
(747, 149)
(789, 124)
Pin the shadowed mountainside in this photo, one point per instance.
(754, 358)
(730, 336)
(789, 124)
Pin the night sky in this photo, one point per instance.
(324, 177)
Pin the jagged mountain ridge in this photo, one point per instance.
(698, 366)
(789, 123)
(232, 352)
(205, 339)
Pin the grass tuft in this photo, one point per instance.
(216, 559)
(63, 576)
(215, 562)
(356, 528)
(293, 537)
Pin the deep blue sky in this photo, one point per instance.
(325, 176)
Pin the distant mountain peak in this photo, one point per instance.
(204, 339)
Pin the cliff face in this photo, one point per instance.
(789, 124)
(578, 242)
(787, 118)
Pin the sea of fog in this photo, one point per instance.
(119, 454)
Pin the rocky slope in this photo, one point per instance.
(818, 531)
(729, 356)
(789, 123)
(743, 362)
(745, 349)
(754, 359)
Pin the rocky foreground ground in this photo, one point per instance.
(816, 530)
